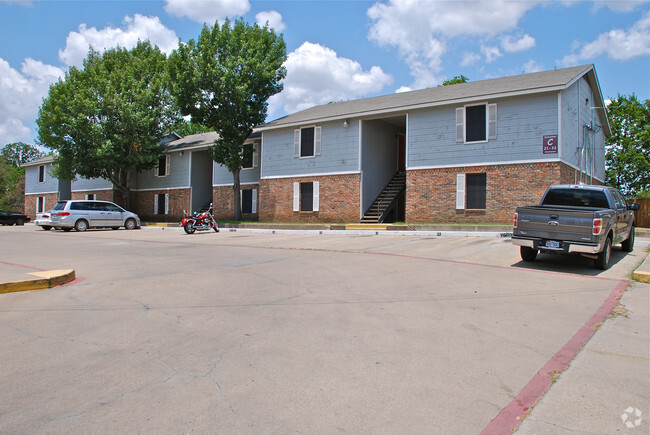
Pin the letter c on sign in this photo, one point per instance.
(550, 141)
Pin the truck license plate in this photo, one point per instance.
(552, 244)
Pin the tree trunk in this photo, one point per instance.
(236, 194)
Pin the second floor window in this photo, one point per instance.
(477, 123)
(41, 174)
(162, 168)
(307, 142)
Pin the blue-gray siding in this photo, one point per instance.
(178, 176)
(80, 184)
(577, 112)
(521, 124)
(339, 152)
(33, 186)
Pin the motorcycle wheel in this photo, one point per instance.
(215, 227)
(189, 228)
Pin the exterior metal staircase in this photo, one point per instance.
(386, 200)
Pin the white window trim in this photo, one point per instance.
(315, 196)
(157, 171)
(490, 123)
(297, 142)
(38, 174)
(256, 158)
(253, 200)
(460, 191)
(42, 210)
(155, 203)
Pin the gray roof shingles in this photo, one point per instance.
(544, 81)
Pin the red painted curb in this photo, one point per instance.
(512, 415)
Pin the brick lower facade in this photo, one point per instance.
(143, 203)
(31, 203)
(431, 193)
(224, 203)
(339, 197)
(100, 195)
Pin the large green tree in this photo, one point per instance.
(12, 175)
(106, 119)
(224, 80)
(628, 148)
(18, 153)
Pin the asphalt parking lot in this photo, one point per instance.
(244, 332)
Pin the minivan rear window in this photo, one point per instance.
(59, 205)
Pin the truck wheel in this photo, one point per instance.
(628, 244)
(603, 260)
(528, 254)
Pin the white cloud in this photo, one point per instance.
(21, 93)
(135, 28)
(274, 19)
(619, 5)
(207, 11)
(617, 44)
(524, 43)
(419, 30)
(491, 53)
(470, 59)
(532, 66)
(317, 75)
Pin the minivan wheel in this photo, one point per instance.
(130, 224)
(81, 225)
(46, 227)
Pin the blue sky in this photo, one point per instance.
(338, 50)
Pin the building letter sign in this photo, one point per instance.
(549, 144)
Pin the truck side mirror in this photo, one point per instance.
(634, 206)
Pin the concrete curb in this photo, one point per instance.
(46, 279)
(642, 273)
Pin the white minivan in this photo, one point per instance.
(84, 214)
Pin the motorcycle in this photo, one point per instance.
(199, 221)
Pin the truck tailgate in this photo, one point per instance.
(556, 223)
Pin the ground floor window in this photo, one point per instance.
(161, 203)
(91, 196)
(40, 204)
(248, 200)
(306, 196)
(471, 191)
(476, 191)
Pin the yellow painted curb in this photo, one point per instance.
(46, 279)
(369, 227)
(640, 273)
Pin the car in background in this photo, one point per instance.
(11, 218)
(84, 214)
(43, 220)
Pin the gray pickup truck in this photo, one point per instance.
(580, 219)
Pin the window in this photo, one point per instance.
(40, 204)
(162, 167)
(476, 191)
(471, 191)
(41, 174)
(476, 123)
(91, 196)
(161, 203)
(306, 196)
(307, 142)
(248, 200)
(250, 158)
